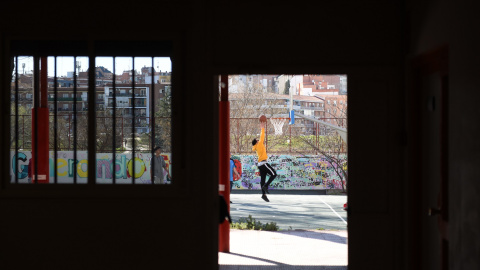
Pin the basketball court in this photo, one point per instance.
(312, 235)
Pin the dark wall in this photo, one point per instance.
(366, 40)
(456, 24)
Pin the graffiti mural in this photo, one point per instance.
(293, 172)
(66, 165)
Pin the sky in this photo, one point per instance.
(66, 64)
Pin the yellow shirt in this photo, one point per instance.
(260, 147)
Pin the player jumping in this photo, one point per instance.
(264, 167)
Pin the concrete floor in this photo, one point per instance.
(299, 244)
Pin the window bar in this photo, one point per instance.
(133, 120)
(55, 121)
(114, 124)
(92, 124)
(23, 131)
(74, 119)
(69, 129)
(16, 121)
(36, 104)
(152, 122)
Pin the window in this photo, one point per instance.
(125, 136)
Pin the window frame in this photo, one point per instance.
(166, 47)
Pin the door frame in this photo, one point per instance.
(432, 62)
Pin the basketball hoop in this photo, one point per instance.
(278, 125)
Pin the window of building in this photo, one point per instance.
(86, 142)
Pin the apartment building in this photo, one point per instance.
(335, 109)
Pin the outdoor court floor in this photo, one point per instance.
(313, 232)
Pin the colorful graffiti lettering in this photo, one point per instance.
(23, 171)
(294, 172)
(67, 166)
(312, 172)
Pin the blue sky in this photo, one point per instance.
(66, 64)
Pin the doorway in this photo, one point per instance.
(308, 196)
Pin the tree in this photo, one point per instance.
(331, 145)
(333, 149)
(105, 132)
(163, 123)
(24, 126)
(246, 106)
(287, 88)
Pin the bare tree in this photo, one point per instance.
(333, 149)
(163, 125)
(24, 126)
(250, 101)
(331, 145)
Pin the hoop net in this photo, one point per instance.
(278, 125)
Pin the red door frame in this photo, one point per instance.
(224, 161)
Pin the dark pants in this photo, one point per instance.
(264, 170)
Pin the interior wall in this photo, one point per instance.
(363, 40)
(98, 229)
(455, 23)
(464, 134)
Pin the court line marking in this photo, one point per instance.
(333, 211)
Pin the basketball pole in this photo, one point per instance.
(224, 161)
(290, 112)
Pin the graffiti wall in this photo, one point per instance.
(105, 168)
(293, 172)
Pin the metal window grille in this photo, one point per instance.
(69, 113)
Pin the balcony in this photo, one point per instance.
(123, 105)
(65, 99)
(313, 108)
(127, 95)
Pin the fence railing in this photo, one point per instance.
(304, 137)
(105, 133)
